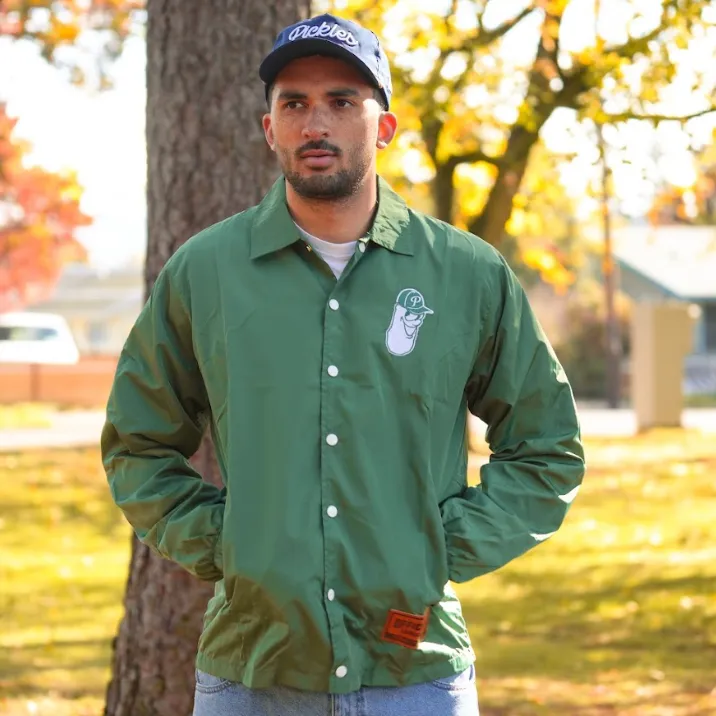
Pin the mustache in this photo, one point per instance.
(322, 146)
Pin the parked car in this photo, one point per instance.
(27, 337)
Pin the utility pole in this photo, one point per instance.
(612, 338)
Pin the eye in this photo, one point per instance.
(343, 103)
(293, 104)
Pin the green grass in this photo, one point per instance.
(706, 400)
(614, 616)
(64, 560)
(34, 415)
(617, 613)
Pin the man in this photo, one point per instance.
(333, 341)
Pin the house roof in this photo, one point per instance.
(85, 292)
(680, 259)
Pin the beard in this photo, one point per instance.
(336, 186)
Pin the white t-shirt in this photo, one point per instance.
(335, 255)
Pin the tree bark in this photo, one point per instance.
(207, 159)
(490, 224)
(444, 192)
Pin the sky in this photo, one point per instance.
(101, 134)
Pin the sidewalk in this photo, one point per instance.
(79, 428)
(83, 428)
(603, 422)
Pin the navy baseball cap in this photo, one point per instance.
(335, 37)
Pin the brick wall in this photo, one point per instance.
(86, 384)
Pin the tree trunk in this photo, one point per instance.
(443, 189)
(490, 224)
(207, 159)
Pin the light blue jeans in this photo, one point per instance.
(452, 696)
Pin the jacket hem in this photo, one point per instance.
(377, 676)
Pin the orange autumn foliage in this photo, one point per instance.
(39, 213)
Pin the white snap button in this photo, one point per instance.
(332, 371)
(332, 511)
(361, 247)
(341, 671)
(331, 595)
(332, 439)
(333, 304)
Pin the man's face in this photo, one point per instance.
(325, 126)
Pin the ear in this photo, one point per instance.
(387, 127)
(268, 131)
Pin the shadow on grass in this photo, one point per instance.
(579, 624)
(70, 669)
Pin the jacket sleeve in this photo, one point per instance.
(156, 415)
(519, 389)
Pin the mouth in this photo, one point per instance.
(318, 159)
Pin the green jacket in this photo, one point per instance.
(338, 413)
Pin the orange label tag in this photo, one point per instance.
(404, 628)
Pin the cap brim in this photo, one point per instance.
(424, 311)
(278, 59)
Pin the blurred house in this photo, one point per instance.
(551, 310)
(102, 306)
(676, 263)
(99, 306)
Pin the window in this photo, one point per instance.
(27, 333)
(97, 334)
(709, 315)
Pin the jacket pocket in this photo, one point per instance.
(208, 684)
(457, 682)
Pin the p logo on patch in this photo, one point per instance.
(404, 628)
(409, 314)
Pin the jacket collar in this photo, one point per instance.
(273, 228)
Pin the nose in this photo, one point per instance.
(317, 124)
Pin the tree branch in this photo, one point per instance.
(453, 10)
(625, 116)
(485, 37)
(635, 45)
(481, 39)
(575, 83)
(539, 102)
(540, 98)
(472, 157)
